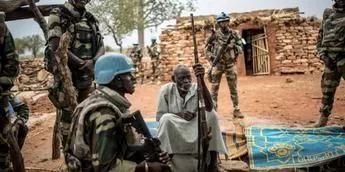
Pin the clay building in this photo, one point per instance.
(278, 41)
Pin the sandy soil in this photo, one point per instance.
(265, 100)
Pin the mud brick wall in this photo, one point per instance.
(177, 48)
(32, 76)
(296, 46)
(291, 40)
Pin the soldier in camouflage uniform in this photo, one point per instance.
(136, 55)
(98, 138)
(21, 112)
(227, 62)
(85, 47)
(154, 54)
(9, 69)
(331, 49)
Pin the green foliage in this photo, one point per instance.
(120, 17)
(32, 43)
(109, 49)
(117, 17)
(155, 12)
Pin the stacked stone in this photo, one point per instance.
(296, 46)
(294, 49)
(32, 76)
(177, 48)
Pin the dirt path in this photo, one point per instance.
(270, 100)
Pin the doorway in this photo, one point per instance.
(257, 60)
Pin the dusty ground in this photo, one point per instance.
(266, 100)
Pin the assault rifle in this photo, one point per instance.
(8, 122)
(219, 54)
(149, 50)
(151, 148)
(202, 124)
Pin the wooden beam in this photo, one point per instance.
(11, 5)
(26, 12)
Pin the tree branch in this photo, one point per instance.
(10, 5)
(150, 10)
(118, 42)
(39, 18)
(25, 12)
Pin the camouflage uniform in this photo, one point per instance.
(9, 67)
(331, 49)
(227, 63)
(136, 56)
(22, 113)
(98, 140)
(154, 54)
(85, 42)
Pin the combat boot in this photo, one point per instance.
(322, 122)
(237, 114)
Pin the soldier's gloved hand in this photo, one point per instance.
(199, 70)
(328, 61)
(87, 66)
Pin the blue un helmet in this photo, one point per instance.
(222, 17)
(110, 65)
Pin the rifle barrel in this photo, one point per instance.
(196, 57)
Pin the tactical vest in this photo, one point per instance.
(333, 31)
(77, 150)
(220, 39)
(84, 30)
(154, 52)
(85, 42)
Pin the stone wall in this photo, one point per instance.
(296, 46)
(291, 40)
(32, 76)
(177, 48)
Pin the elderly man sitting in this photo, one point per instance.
(178, 129)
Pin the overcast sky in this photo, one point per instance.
(203, 7)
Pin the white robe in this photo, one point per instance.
(178, 136)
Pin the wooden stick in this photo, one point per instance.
(39, 18)
(11, 5)
(26, 13)
(70, 95)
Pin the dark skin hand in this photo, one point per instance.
(199, 71)
(186, 115)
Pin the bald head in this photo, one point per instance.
(180, 68)
(182, 77)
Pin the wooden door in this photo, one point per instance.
(261, 58)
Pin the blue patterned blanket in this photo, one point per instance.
(277, 148)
